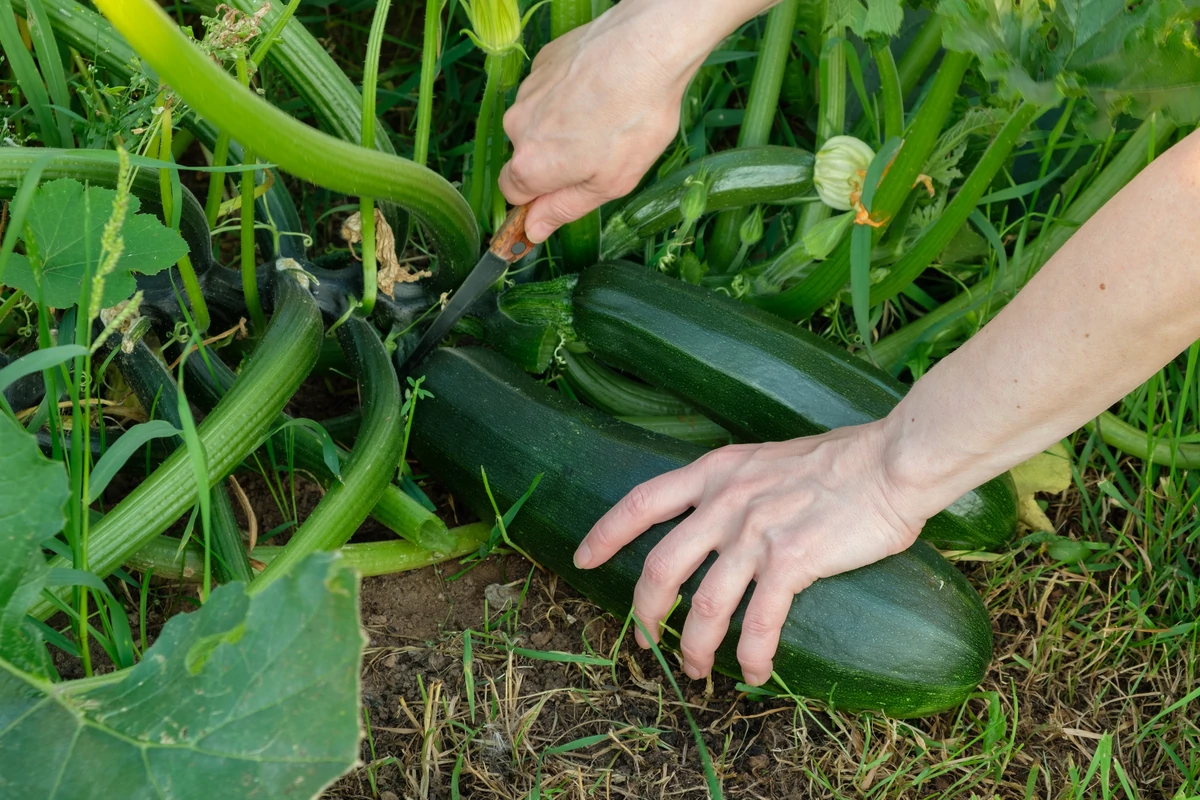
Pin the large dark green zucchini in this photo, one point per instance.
(907, 635)
(740, 177)
(759, 377)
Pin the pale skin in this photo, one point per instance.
(1116, 303)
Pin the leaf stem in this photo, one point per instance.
(831, 77)
(889, 88)
(248, 261)
(430, 52)
(483, 125)
(762, 103)
(367, 204)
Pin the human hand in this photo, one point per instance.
(600, 104)
(782, 514)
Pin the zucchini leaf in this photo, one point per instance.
(65, 244)
(882, 17)
(1125, 58)
(32, 495)
(259, 695)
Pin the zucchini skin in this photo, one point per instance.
(758, 376)
(907, 635)
(740, 177)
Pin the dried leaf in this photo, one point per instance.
(389, 271)
(1046, 473)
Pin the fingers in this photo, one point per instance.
(657, 500)
(762, 625)
(713, 605)
(552, 211)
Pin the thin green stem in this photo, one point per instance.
(912, 65)
(483, 126)
(430, 52)
(367, 204)
(50, 62)
(28, 78)
(950, 319)
(267, 42)
(762, 103)
(191, 285)
(889, 88)
(216, 180)
(249, 263)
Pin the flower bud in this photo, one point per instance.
(694, 200)
(495, 25)
(751, 231)
(838, 173)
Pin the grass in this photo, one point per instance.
(1093, 692)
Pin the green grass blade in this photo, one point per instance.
(27, 75)
(49, 60)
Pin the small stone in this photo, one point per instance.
(390, 661)
(437, 661)
(541, 639)
(377, 619)
(759, 763)
(388, 796)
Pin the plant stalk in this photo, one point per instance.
(480, 174)
(430, 53)
(761, 106)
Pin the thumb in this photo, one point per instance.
(551, 211)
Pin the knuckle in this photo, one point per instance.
(639, 500)
(707, 607)
(657, 568)
(695, 656)
(757, 626)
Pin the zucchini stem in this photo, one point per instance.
(367, 204)
(578, 241)
(831, 78)
(248, 261)
(762, 103)
(430, 54)
(480, 174)
(890, 91)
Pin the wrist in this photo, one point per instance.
(679, 34)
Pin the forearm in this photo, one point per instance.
(1115, 304)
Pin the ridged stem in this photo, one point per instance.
(950, 319)
(480, 173)
(761, 106)
(831, 120)
(372, 462)
(303, 151)
(281, 362)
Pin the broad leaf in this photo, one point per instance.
(65, 244)
(1048, 473)
(32, 493)
(1132, 58)
(247, 697)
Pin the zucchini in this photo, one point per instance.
(689, 428)
(235, 427)
(906, 635)
(395, 510)
(372, 462)
(758, 376)
(616, 394)
(740, 177)
(155, 389)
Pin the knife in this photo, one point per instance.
(508, 246)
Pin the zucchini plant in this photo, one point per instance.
(853, 182)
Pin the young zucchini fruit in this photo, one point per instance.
(741, 177)
(235, 427)
(907, 635)
(759, 377)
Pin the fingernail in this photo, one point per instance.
(640, 638)
(583, 556)
(754, 679)
(692, 672)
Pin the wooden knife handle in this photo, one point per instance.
(510, 242)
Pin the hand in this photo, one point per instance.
(601, 103)
(782, 514)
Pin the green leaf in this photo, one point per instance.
(65, 244)
(1131, 58)
(258, 695)
(32, 495)
(878, 17)
(116, 456)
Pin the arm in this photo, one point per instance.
(1114, 305)
(602, 103)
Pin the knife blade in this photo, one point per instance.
(508, 246)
